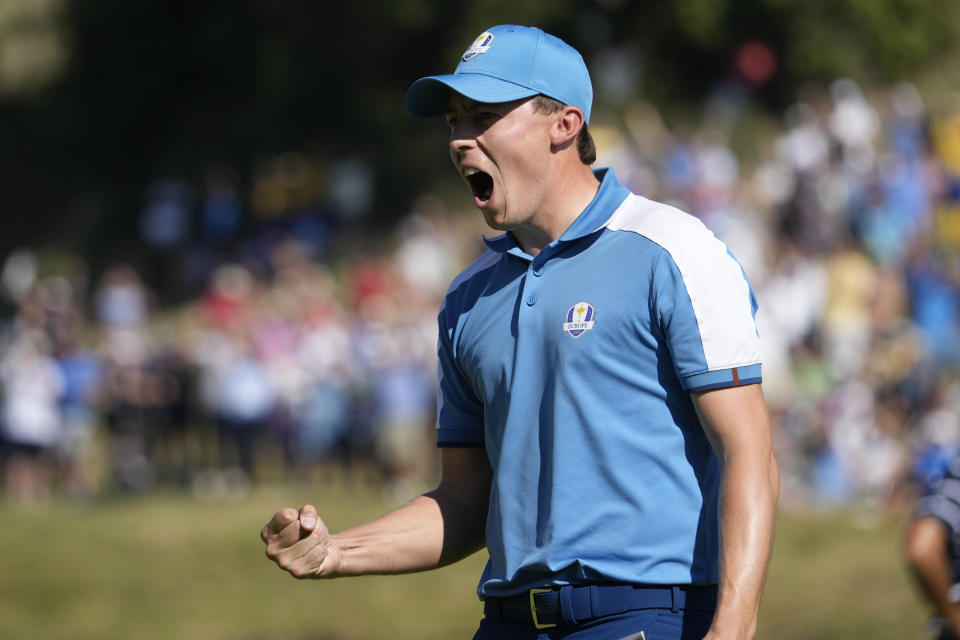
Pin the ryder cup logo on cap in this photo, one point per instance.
(506, 63)
(480, 45)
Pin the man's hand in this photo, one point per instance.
(432, 530)
(301, 545)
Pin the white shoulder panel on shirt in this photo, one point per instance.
(715, 281)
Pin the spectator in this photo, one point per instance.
(82, 373)
(932, 552)
(32, 385)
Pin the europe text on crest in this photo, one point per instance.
(480, 45)
(579, 319)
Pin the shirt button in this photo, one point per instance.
(531, 299)
(538, 271)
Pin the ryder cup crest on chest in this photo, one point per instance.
(579, 319)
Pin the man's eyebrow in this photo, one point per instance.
(463, 104)
(459, 108)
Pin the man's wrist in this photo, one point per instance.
(726, 633)
(731, 622)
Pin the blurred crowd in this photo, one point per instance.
(281, 365)
(847, 225)
(307, 342)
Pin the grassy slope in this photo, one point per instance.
(174, 567)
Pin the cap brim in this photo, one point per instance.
(427, 97)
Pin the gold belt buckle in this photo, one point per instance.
(533, 609)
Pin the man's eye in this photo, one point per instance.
(487, 116)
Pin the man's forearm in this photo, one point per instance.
(747, 516)
(925, 549)
(430, 531)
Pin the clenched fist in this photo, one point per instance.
(301, 545)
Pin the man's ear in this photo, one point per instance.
(567, 125)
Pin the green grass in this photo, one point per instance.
(170, 566)
(840, 575)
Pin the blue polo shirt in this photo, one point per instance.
(574, 368)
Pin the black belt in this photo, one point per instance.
(571, 605)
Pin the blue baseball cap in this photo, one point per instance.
(505, 63)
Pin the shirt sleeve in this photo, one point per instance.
(942, 501)
(707, 311)
(459, 411)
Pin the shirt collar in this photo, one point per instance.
(610, 195)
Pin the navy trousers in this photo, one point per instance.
(656, 624)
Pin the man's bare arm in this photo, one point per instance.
(925, 549)
(432, 530)
(736, 421)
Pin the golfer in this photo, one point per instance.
(603, 431)
(931, 549)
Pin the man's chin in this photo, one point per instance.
(494, 222)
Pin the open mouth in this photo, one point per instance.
(480, 182)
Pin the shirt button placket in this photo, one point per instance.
(537, 271)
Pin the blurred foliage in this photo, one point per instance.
(868, 39)
(97, 97)
(31, 49)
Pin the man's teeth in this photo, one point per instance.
(470, 171)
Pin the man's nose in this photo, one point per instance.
(461, 140)
(463, 133)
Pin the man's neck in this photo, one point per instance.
(572, 192)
